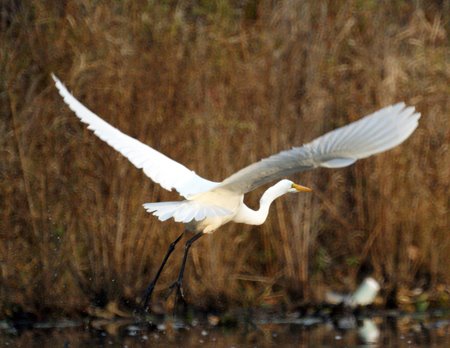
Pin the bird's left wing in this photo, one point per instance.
(372, 134)
(158, 167)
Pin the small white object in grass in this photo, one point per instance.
(365, 294)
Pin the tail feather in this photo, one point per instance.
(185, 211)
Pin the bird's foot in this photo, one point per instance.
(179, 295)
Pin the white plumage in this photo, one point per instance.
(208, 204)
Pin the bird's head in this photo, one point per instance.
(290, 186)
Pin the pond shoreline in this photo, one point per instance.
(363, 326)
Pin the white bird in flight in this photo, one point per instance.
(207, 205)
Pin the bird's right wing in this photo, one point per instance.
(341, 147)
(158, 167)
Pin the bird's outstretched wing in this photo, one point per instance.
(158, 167)
(341, 147)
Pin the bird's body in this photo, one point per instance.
(217, 207)
(224, 203)
(209, 205)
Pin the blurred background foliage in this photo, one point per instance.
(217, 85)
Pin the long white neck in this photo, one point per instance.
(257, 217)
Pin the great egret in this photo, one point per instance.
(209, 205)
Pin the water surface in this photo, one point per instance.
(379, 329)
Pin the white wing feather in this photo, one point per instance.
(370, 135)
(185, 211)
(158, 167)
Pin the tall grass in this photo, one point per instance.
(216, 86)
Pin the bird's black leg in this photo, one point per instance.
(151, 286)
(179, 281)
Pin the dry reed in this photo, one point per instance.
(216, 86)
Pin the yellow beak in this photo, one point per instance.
(301, 188)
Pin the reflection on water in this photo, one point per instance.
(345, 331)
(369, 332)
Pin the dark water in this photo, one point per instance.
(382, 329)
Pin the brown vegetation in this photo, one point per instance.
(217, 85)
